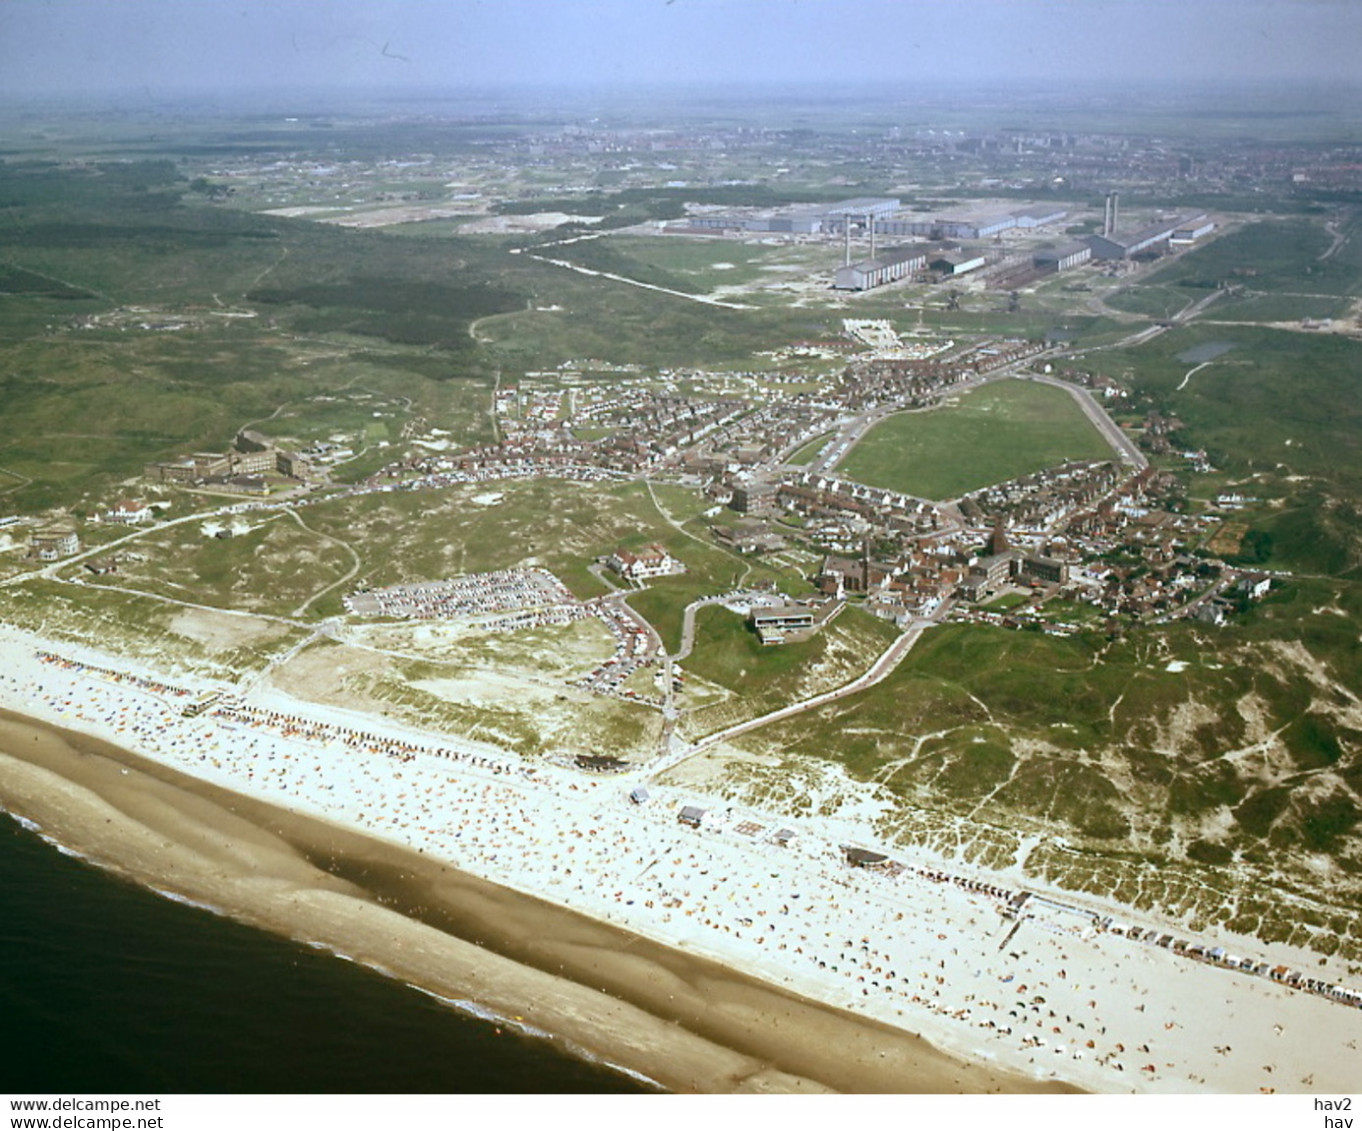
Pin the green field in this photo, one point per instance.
(758, 678)
(1270, 255)
(1281, 410)
(274, 567)
(1271, 270)
(999, 432)
(1252, 307)
(695, 264)
(809, 452)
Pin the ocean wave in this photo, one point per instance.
(176, 897)
(47, 838)
(465, 1006)
(471, 1008)
(522, 1027)
(30, 825)
(25, 823)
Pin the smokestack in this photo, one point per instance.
(1106, 215)
(870, 219)
(846, 240)
(1115, 207)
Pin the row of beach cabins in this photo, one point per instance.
(1014, 903)
(298, 726)
(295, 726)
(1219, 956)
(156, 687)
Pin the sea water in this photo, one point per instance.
(108, 987)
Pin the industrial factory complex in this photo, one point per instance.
(939, 255)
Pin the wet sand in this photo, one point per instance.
(685, 1022)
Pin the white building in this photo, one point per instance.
(129, 512)
(651, 561)
(896, 263)
(54, 543)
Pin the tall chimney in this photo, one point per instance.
(1115, 206)
(846, 240)
(870, 219)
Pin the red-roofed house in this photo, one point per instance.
(651, 561)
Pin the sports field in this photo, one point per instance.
(999, 432)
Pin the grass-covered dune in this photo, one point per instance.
(1281, 413)
(1237, 751)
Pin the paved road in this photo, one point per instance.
(1122, 444)
(886, 663)
(707, 300)
(688, 626)
(50, 572)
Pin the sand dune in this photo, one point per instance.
(620, 929)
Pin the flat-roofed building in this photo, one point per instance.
(244, 485)
(1126, 244)
(753, 496)
(208, 464)
(975, 227)
(172, 471)
(905, 226)
(859, 207)
(796, 219)
(777, 623)
(1039, 216)
(971, 226)
(1192, 229)
(53, 543)
(292, 464)
(252, 463)
(722, 222)
(1040, 568)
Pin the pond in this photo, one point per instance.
(1206, 351)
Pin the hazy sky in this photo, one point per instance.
(51, 46)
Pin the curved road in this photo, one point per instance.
(888, 660)
(1122, 444)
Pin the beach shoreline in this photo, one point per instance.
(795, 961)
(463, 940)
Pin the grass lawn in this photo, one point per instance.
(703, 264)
(762, 678)
(1002, 431)
(1253, 307)
(1281, 407)
(1268, 256)
(809, 452)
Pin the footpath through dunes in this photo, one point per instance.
(685, 1022)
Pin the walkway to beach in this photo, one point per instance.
(1042, 985)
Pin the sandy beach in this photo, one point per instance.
(546, 895)
(686, 1023)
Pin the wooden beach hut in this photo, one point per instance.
(864, 857)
